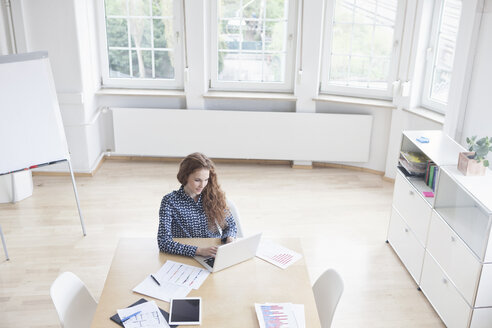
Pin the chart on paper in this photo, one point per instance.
(280, 315)
(276, 254)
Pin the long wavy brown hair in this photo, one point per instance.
(213, 198)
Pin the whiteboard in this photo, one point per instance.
(31, 127)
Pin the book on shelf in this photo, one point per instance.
(431, 174)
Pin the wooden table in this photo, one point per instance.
(228, 296)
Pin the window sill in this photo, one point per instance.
(250, 95)
(427, 113)
(140, 92)
(356, 101)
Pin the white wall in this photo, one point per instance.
(478, 113)
(67, 29)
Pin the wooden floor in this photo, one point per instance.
(340, 215)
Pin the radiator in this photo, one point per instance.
(242, 135)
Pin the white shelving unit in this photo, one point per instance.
(445, 241)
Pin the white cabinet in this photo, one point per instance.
(445, 241)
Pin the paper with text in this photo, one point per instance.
(165, 292)
(148, 315)
(182, 274)
(276, 254)
(278, 315)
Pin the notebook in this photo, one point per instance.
(231, 254)
(116, 317)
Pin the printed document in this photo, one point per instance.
(182, 274)
(280, 315)
(276, 254)
(173, 280)
(146, 315)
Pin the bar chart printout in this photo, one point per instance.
(276, 315)
(276, 254)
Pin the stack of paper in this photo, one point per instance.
(414, 163)
(276, 254)
(174, 280)
(277, 315)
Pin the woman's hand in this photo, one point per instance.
(207, 251)
(229, 240)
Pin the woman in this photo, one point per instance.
(197, 210)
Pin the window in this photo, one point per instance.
(142, 43)
(253, 44)
(361, 47)
(440, 54)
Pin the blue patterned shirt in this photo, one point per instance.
(181, 217)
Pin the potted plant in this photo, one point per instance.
(475, 161)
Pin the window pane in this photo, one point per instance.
(251, 67)
(252, 9)
(272, 70)
(162, 8)
(140, 33)
(445, 49)
(379, 72)
(251, 35)
(139, 7)
(256, 32)
(362, 40)
(150, 25)
(142, 63)
(117, 32)
(229, 34)
(228, 8)
(364, 11)
(276, 9)
(115, 8)
(381, 45)
(164, 67)
(342, 34)
(275, 37)
(386, 12)
(359, 71)
(344, 11)
(440, 85)
(163, 33)
(339, 69)
(119, 64)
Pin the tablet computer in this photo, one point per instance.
(185, 311)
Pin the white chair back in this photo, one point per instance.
(73, 301)
(235, 214)
(327, 290)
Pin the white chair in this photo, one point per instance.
(235, 214)
(73, 302)
(327, 290)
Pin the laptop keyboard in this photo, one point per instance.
(210, 261)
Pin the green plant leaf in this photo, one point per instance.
(486, 163)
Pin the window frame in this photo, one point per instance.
(327, 88)
(290, 57)
(430, 59)
(143, 83)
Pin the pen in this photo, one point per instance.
(155, 280)
(131, 315)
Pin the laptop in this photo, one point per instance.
(230, 254)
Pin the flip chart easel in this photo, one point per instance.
(31, 127)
